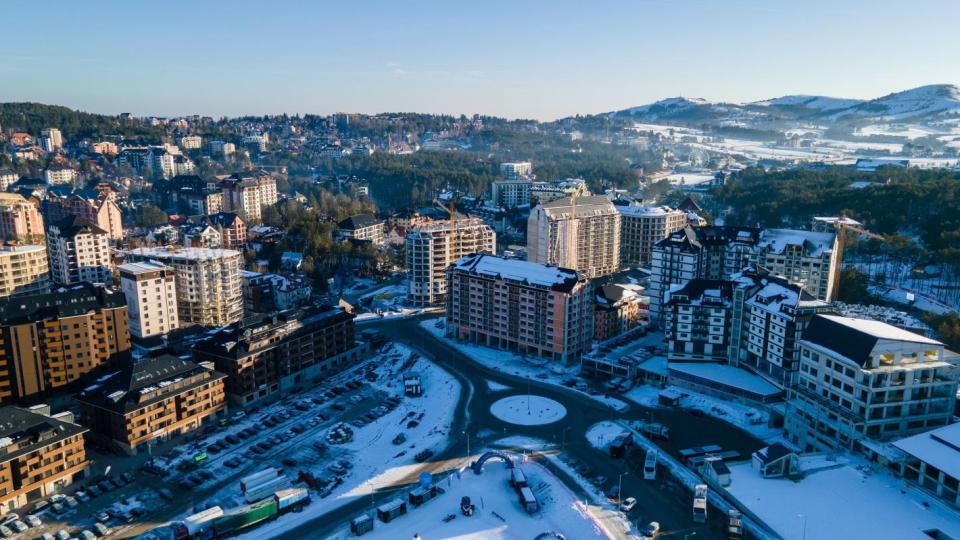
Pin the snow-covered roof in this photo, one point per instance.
(644, 211)
(939, 447)
(523, 271)
(774, 295)
(727, 376)
(881, 330)
(814, 243)
(184, 253)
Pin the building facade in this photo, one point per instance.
(50, 340)
(276, 354)
(152, 400)
(511, 193)
(618, 309)
(581, 233)
(24, 269)
(363, 227)
(520, 306)
(643, 226)
(79, 251)
(515, 170)
(863, 381)
(40, 455)
(97, 207)
(248, 193)
(432, 247)
(208, 282)
(20, 219)
(150, 290)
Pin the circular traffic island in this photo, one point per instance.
(527, 410)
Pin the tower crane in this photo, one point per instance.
(843, 224)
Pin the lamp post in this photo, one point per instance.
(803, 534)
(620, 486)
(468, 443)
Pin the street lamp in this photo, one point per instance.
(620, 486)
(468, 443)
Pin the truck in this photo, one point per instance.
(654, 430)
(527, 500)
(618, 448)
(261, 491)
(734, 525)
(700, 503)
(391, 510)
(257, 478)
(291, 500)
(650, 465)
(244, 517)
(517, 478)
(192, 525)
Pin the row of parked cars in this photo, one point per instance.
(389, 405)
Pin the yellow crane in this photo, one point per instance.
(843, 224)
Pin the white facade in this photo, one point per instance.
(643, 226)
(583, 235)
(248, 196)
(151, 293)
(79, 252)
(515, 170)
(55, 137)
(433, 247)
(191, 142)
(511, 193)
(56, 177)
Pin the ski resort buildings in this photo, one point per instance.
(582, 233)
(432, 247)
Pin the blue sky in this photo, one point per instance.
(531, 59)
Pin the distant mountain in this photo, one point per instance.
(923, 105)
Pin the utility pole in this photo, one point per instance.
(620, 487)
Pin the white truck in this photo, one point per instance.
(291, 499)
(266, 489)
(192, 525)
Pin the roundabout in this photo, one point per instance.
(528, 410)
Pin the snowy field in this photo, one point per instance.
(847, 501)
(498, 513)
(376, 461)
(507, 362)
(528, 410)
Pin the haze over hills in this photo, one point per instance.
(936, 105)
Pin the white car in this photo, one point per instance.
(651, 531)
(33, 521)
(628, 504)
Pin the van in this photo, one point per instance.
(650, 465)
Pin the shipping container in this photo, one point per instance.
(361, 525)
(257, 478)
(191, 525)
(291, 499)
(266, 489)
(517, 478)
(422, 495)
(391, 510)
(527, 500)
(245, 516)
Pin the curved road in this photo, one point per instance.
(661, 500)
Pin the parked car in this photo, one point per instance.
(239, 415)
(87, 535)
(101, 529)
(650, 531)
(33, 521)
(165, 494)
(18, 526)
(628, 504)
(62, 535)
(423, 455)
(71, 502)
(103, 517)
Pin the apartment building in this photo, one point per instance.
(7, 178)
(698, 317)
(24, 269)
(931, 461)
(97, 207)
(221, 149)
(643, 226)
(863, 381)
(152, 400)
(191, 142)
(39, 455)
(581, 233)
(150, 290)
(511, 193)
(59, 175)
(50, 340)
(363, 227)
(432, 247)
(551, 190)
(515, 170)
(20, 219)
(520, 306)
(55, 136)
(269, 356)
(718, 252)
(208, 282)
(78, 251)
(248, 193)
(105, 147)
(618, 309)
(232, 229)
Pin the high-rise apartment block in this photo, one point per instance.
(97, 207)
(52, 339)
(79, 251)
(520, 306)
(582, 233)
(432, 247)
(208, 282)
(515, 170)
(643, 226)
(863, 381)
(20, 219)
(24, 269)
(54, 139)
(150, 290)
(248, 193)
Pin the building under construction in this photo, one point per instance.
(433, 247)
(582, 233)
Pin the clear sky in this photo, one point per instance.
(520, 58)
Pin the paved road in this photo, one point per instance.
(659, 500)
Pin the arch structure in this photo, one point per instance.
(477, 465)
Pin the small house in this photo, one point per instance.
(775, 461)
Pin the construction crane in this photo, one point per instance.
(452, 212)
(843, 224)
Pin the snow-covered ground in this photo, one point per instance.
(528, 410)
(375, 460)
(843, 501)
(496, 387)
(600, 434)
(750, 419)
(498, 512)
(508, 362)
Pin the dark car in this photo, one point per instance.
(423, 456)
(232, 439)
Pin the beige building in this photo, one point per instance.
(151, 294)
(96, 207)
(247, 194)
(643, 226)
(432, 247)
(208, 282)
(582, 233)
(520, 306)
(863, 381)
(79, 251)
(23, 270)
(20, 219)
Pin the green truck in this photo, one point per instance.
(244, 516)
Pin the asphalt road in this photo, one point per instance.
(660, 500)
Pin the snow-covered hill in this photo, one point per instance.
(934, 100)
